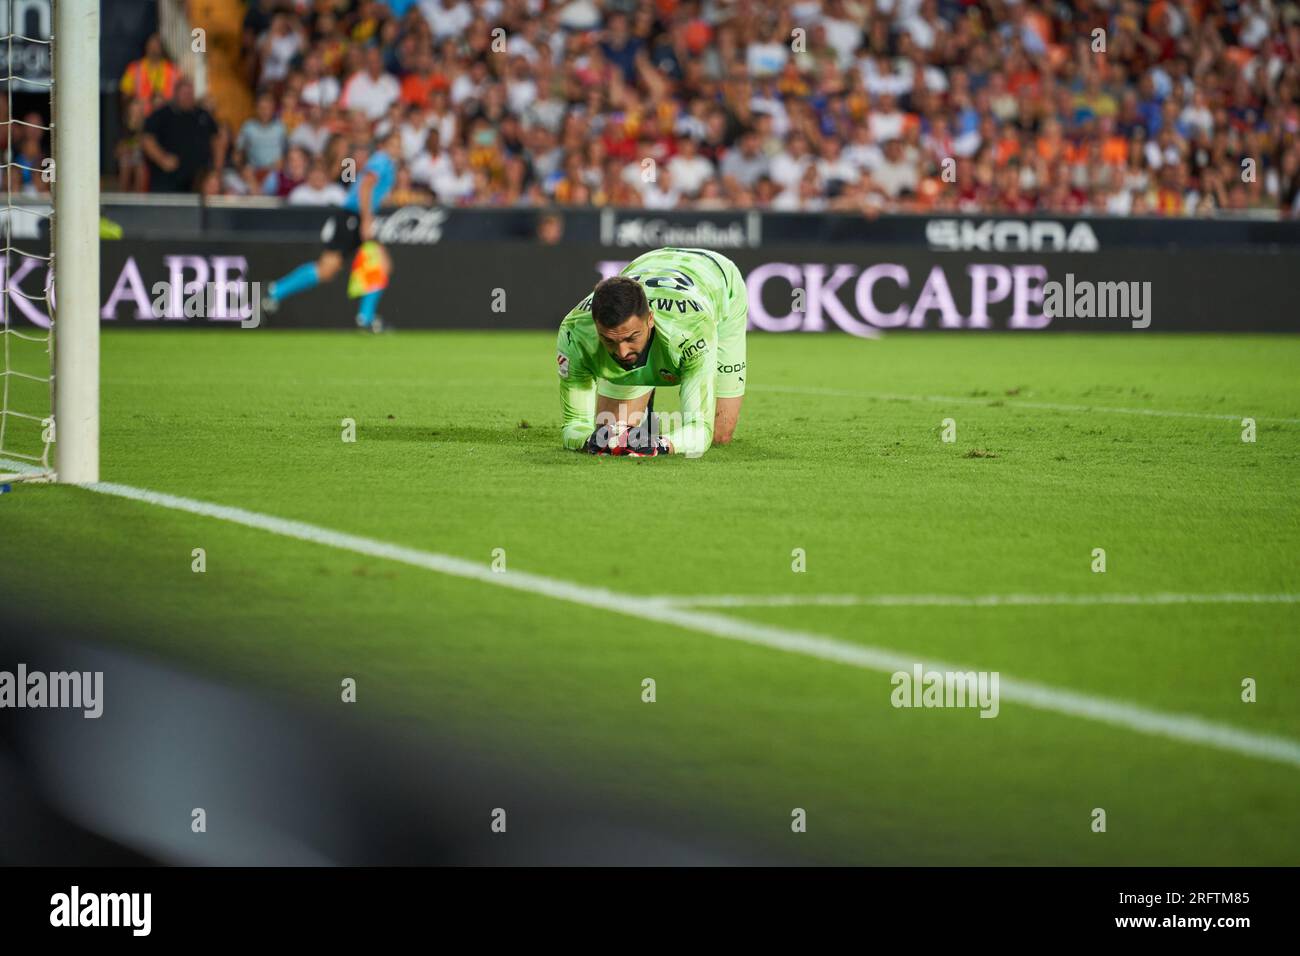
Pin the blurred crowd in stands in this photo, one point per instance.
(1169, 108)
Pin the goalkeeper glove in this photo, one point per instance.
(644, 440)
(639, 442)
(603, 441)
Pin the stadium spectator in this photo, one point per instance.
(736, 108)
(371, 90)
(550, 228)
(446, 18)
(455, 184)
(419, 85)
(293, 173)
(132, 177)
(317, 190)
(313, 132)
(262, 139)
(406, 192)
(150, 80)
(431, 162)
(689, 169)
(278, 48)
(744, 164)
(179, 141)
(318, 87)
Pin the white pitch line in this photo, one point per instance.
(25, 467)
(1015, 403)
(1181, 727)
(968, 600)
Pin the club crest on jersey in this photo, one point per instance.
(562, 363)
(666, 375)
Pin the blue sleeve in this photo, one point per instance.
(385, 171)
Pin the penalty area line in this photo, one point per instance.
(1184, 728)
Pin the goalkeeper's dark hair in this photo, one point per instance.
(616, 300)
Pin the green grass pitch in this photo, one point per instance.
(840, 453)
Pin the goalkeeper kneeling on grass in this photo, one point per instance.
(672, 317)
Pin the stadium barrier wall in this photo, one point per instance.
(184, 217)
(935, 274)
(795, 288)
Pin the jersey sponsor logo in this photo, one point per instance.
(728, 369)
(562, 364)
(694, 348)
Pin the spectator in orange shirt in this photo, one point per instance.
(1169, 197)
(1114, 148)
(1020, 74)
(1007, 146)
(419, 86)
(150, 79)
(1051, 145)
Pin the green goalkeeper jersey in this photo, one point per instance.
(689, 291)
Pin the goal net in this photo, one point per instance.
(49, 123)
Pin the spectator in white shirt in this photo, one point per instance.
(447, 18)
(1197, 115)
(862, 150)
(432, 163)
(278, 47)
(897, 174)
(441, 117)
(925, 25)
(371, 90)
(660, 192)
(469, 84)
(880, 77)
(525, 42)
(690, 171)
(833, 168)
(886, 121)
(767, 99)
(769, 56)
(311, 134)
(521, 88)
(789, 165)
(317, 190)
(843, 33)
(455, 184)
(411, 123)
(805, 195)
(319, 88)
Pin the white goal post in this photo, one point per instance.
(75, 250)
(49, 339)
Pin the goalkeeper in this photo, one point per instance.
(673, 317)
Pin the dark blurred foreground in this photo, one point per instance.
(279, 787)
